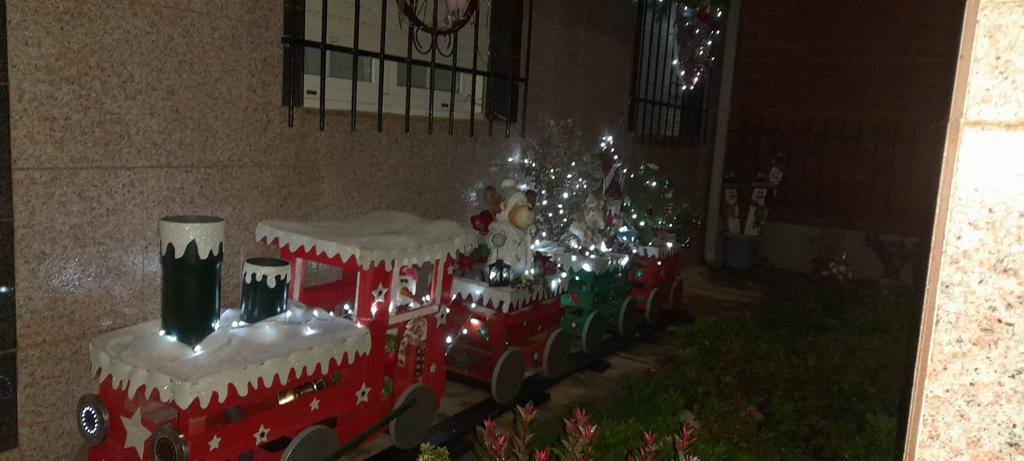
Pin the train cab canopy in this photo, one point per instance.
(389, 237)
(413, 250)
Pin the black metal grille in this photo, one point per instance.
(660, 110)
(506, 74)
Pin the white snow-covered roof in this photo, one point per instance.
(507, 299)
(299, 339)
(383, 236)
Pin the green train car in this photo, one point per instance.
(598, 302)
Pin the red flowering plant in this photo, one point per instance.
(648, 452)
(681, 445)
(579, 437)
(494, 446)
(576, 445)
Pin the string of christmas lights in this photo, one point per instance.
(562, 176)
(698, 25)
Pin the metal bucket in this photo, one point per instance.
(741, 251)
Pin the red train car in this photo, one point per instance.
(501, 334)
(297, 385)
(655, 276)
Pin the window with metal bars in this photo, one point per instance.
(674, 63)
(370, 56)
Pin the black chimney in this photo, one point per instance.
(191, 254)
(264, 288)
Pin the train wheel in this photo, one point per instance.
(556, 354)
(629, 317)
(168, 445)
(507, 377)
(93, 419)
(316, 442)
(652, 311)
(593, 334)
(411, 427)
(676, 294)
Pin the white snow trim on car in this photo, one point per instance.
(507, 299)
(239, 355)
(391, 237)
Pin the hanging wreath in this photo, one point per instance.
(458, 13)
(698, 27)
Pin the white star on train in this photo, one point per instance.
(135, 433)
(214, 443)
(314, 405)
(262, 434)
(363, 394)
(379, 293)
(433, 368)
(442, 316)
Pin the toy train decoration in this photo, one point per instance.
(349, 333)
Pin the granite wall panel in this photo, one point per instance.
(124, 111)
(969, 387)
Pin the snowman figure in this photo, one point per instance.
(509, 235)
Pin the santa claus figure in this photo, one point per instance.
(406, 297)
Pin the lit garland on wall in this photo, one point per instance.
(698, 27)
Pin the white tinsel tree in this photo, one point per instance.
(562, 174)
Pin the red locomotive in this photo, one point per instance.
(357, 342)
